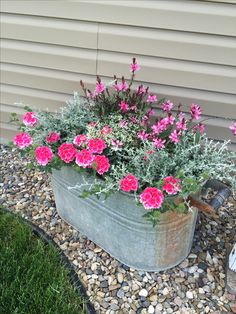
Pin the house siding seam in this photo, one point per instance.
(187, 56)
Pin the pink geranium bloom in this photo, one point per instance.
(100, 87)
(67, 152)
(134, 66)
(152, 98)
(124, 107)
(167, 106)
(171, 185)
(96, 145)
(22, 140)
(129, 183)
(101, 163)
(233, 128)
(122, 87)
(142, 135)
(52, 137)
(30, 119)
(84, 158)
(151, 198)
(81, 139)
(174, 136)
(43, 155)
(195, 112)
(159, 143)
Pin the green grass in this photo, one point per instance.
(32, 278)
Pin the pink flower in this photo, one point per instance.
(171, 119)
(167, 106)
(151, 198)
(141, 90)
(52, 137)
(81, 139)
(233, 128)
(43, 155)
(96, 145)
(160, 126)
(195, 111)
(22, 140)
(133, 119)
(90, 95)
(134, 66)
(142, 135)
(92, 124)
(129, 183)
(199, 127)
(159, 143)
(181, 125)
(171, 185)
(100, 87)
(102, 163)
(67, 152)
(30, 119)
(174, 136)
(152, 98)
(106, 130)
(150, 112)
(124, 107)
(84, 158)
(123, 86)
(123, 124)
(116, 144)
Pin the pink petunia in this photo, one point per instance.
(22, 140)
(84, 158)
(67, 152)
(129, 183)
(96, 145)
(30, 119)
(195, 112)
(81, 139)
(171, 185)
(102, 164)
(167, 106)
(52, 137)
(124, 107)
(43, 155)
(233, 128)
(151, 198)
(174, 136)
(100, 87)
(151, 98)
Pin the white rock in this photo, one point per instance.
(120, 278)
(151, 309)
(189, 295)
(143, 293)
(165, 291)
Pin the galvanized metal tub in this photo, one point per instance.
(117, 225)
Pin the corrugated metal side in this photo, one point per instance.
(187, 50)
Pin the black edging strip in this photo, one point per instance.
(74, 279)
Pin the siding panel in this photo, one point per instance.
(186, 50)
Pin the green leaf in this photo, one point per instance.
(85, 194)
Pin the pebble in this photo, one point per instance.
(196, 286)
(143, 293)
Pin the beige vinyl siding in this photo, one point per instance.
(187, 50)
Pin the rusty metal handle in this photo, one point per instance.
(222, 195)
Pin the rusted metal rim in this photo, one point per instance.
(74, 279)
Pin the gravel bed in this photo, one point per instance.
(197, 285)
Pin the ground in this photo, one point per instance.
(196, 286)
